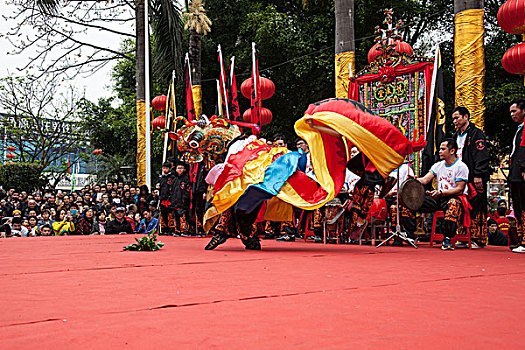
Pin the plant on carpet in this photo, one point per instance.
(146, 243)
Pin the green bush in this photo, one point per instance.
(22, 176)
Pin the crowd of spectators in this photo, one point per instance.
(111, 208)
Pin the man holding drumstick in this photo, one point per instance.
(452, 177)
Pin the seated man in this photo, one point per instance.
(451, 174)
(496, 237)
(148, 224)
(119, 226)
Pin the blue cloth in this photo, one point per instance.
(148, 228)
(274, 178)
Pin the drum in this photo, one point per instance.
(332, 208)
(411, 194)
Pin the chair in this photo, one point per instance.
(439, 237)
(308, 227)
(378, 218)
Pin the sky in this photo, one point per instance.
(94, 86)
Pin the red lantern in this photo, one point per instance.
(267, 88)
(400, 47)
(511, 16)
(514, 59)
(246, 88)
(247, 116)
(159, 103)
(10, 156)
(11, 148)
(266, 85)
(159, 123)
(265, 114)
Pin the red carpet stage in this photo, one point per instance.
(86, 293)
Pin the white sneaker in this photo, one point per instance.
(520, 249)
(474, 245)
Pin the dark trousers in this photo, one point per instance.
(238, 222)
(453, 209)
(517, 192)
(164, 214)
(181, 220)
(478, 214)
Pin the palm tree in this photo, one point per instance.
(199, 24)
(344, 44)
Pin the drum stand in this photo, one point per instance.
(398, 233)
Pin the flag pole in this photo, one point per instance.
(254, 80)
(168, 117)
(147, 93)
(223, 79)
(219, 98)
(232, 60)
(433, 86)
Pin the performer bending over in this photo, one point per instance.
(452, 176)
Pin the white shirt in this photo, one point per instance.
(514, 139)
(448, 175)
(461, 143)
(350, 181)
(404, 171)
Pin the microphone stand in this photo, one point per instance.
(398, 233)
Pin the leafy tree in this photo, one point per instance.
(41, 124)
(111, 122)
(22, 176)
(295, 46)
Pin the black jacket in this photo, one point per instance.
(166, 186)
(115, 227)
(517, 160)
(180, 194)
(475, 154)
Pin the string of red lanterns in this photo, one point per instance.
(511, 18)
(159, 103)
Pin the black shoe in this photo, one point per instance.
(318, 239)
(268, 236)
(216, 241)
(397, 243)
(286, 238)
(252, 243)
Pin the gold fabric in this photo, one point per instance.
(469, 60)
(278, 210)
(342, 60)
(196, 91)
(253, 173)
(141, 142)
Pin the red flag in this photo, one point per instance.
(256, 87)
(190, 107)
(234, 107)
(222, 83)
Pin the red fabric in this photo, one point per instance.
(377, 126)
(234, 108)
(503, 225)
(336, 161)
(190, 107)
(222, 84)
(236, 162)
(255, 102)
(466, 207)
